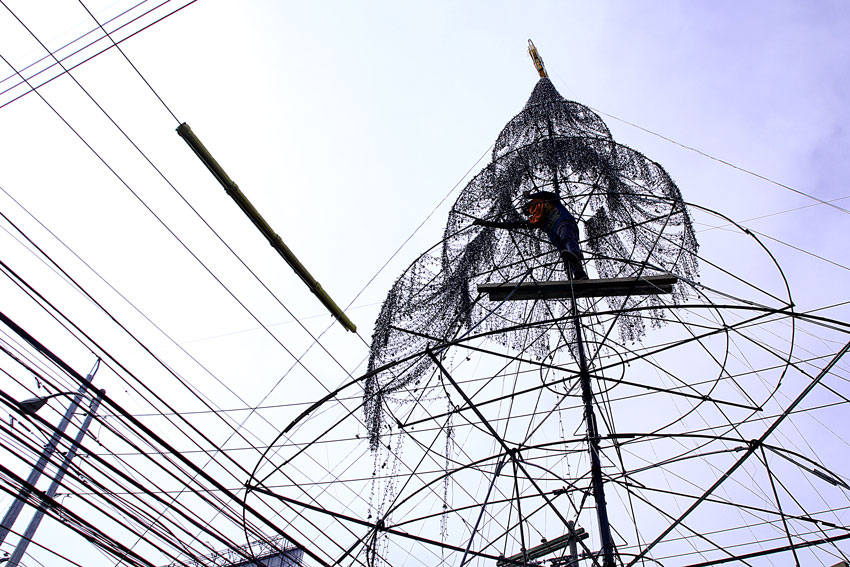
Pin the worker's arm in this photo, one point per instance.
(502, 224)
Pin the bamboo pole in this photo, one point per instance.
(277, 243)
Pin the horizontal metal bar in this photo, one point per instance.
(646, 285)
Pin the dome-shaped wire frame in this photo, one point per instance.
(635, 224)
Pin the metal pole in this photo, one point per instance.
(593, 446)
(21, 548)
(43, 458)
(573, 560)
(499, 466)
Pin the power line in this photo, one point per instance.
(70, 43)
(86, 60)
(829, 203)
(153, 213)
(149, 434)
(820, 201)
(121, 51)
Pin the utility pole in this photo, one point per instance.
(21, 548)
(573, 557)
(44, 457)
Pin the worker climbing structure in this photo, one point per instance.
(512, 416)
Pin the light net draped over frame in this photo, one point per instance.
(631, 214)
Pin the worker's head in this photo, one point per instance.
(525, 205)
(533, 201)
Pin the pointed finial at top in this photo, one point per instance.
(538, 61)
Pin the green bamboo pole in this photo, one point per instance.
(277, 243)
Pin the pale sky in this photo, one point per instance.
(349, 125)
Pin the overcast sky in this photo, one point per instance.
(349, 125)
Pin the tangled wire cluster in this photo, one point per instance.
(635, 224)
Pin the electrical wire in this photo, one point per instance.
(281, 344)
(507, 418)
(32, 89)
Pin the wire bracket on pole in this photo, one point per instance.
(277, 243)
